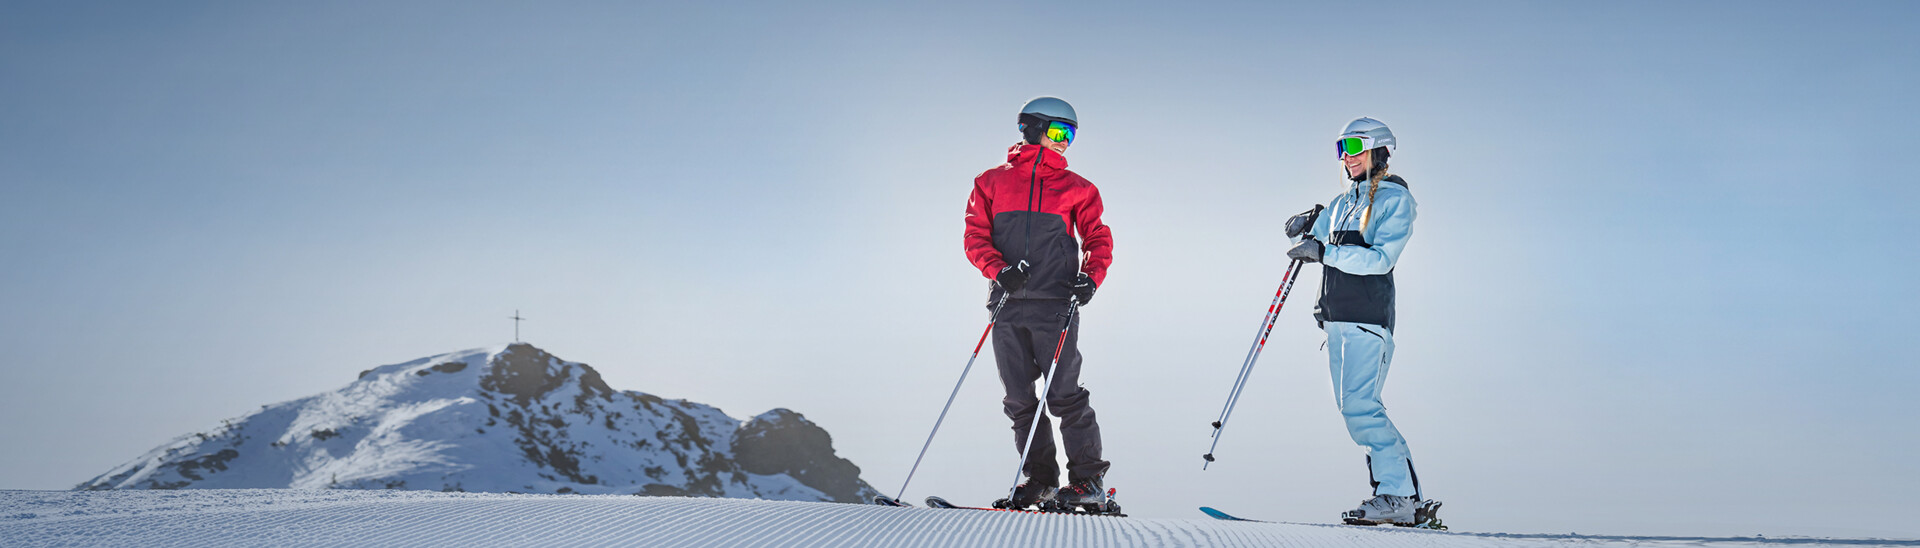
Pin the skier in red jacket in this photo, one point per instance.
(1021, 222)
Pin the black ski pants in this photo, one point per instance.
(1023, 344)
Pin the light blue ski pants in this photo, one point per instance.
(1358, 355)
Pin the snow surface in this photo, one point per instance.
(295, 517)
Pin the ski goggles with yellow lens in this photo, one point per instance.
(1353, 146)
(1060, 132)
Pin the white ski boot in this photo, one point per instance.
(1396, 510)
(1388, 509)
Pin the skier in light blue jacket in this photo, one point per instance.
(1358, 238)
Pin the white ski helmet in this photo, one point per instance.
(1373, 131)
(1051, 109)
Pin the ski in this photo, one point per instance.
(1427, 516)
(1107, 508)
(937, 502)
(1216, 514)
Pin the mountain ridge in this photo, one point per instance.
(510, 418)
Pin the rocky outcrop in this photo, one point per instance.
(784, 442)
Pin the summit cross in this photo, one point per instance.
(516, 324)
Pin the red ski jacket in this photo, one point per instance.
(1030, 208)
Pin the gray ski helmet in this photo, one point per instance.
(1051, 109)
(1373, 130)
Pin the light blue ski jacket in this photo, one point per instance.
(1361, 251)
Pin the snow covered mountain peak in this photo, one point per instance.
(510, 418)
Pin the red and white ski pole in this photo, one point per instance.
(995, 318)
(1253, 355)
(1046, 387)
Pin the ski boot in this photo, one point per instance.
(1088, 496)
(1028, 494)
(1389, 509)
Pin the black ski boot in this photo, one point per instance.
(1089, 496)
(1028, 494)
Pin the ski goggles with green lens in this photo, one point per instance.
(1060, 132)
(1353, 146)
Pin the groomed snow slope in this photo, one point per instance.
(267, 517)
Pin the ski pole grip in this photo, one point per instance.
(1300, 224)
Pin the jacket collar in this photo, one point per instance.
(1351, 185)
(1023, 154)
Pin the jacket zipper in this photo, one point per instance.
(1033, 196)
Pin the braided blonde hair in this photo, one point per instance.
(1367, 216)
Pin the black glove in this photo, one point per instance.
(1013, 277)
(1300, 224)
(1309, 250)
(1083, 287)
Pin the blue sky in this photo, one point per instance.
(1659, 283)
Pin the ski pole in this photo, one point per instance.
(995, 318)
(1265, 321)
(1253, 355)
(1260, 344)
(1040, 407)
